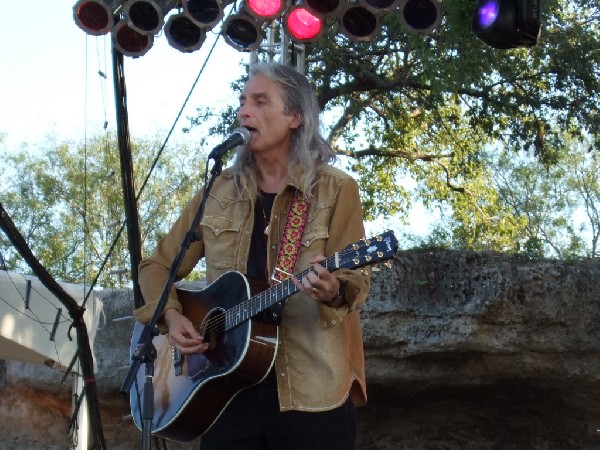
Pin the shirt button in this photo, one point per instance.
(247, 232)
(282, 374)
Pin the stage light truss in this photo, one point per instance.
(134, 23)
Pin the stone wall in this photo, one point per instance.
(464, 351)
(482, 351)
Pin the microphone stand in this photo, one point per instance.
(145, 351)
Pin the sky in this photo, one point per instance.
(50, 81)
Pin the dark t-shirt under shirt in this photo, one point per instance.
(257, 259)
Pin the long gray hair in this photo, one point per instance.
(309, 150)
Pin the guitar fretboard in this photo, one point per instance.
(249, 308)
(359, 254)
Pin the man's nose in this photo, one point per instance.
(244, 111)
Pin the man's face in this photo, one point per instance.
(262, 113)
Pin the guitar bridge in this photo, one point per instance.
(177, 361)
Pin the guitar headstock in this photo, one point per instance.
(365, 252)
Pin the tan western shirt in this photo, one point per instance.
(319, 360)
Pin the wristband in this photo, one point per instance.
(339, 294)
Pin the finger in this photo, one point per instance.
(304, 285)
(311, 283)
(185, 334)
(192, 344)
(190, 341)
(322, 272)
(327, 284)
(317, 259)
(187, 345)
(297, 283)
(311, 278)
(190, 331)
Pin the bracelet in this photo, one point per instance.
(339, 294)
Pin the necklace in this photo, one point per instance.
(264, 213)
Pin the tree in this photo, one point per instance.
(554, 210)
(455, 117)
(429, 108)
(66, 199)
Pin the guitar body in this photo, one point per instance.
(191, 392)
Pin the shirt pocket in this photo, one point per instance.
(316, 232)
(221, 241)
(315, 236)
(313, 243)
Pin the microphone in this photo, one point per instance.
(239, 136)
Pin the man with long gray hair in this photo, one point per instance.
(279, 209)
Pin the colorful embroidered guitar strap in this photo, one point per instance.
(291, 239)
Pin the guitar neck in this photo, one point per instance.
(249, 308)
(360, 254)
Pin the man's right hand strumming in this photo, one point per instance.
(182, 334)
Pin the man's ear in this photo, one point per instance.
(297, 120)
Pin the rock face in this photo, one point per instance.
(483, 351)
(463, 351)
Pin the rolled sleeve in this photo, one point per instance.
(356, 289)
(153, 272)
(346, 227)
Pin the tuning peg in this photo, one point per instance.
(388, 264)
(375, 268)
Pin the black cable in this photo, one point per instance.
(152, 167)
(76, 312)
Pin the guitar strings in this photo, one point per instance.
(242, 309)
(219, 323)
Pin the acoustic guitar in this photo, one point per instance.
(191, 392)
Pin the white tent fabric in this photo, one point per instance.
(27, 325)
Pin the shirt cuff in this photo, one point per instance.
(144, 313)
(356, 288)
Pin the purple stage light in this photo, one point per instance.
(488, 13)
